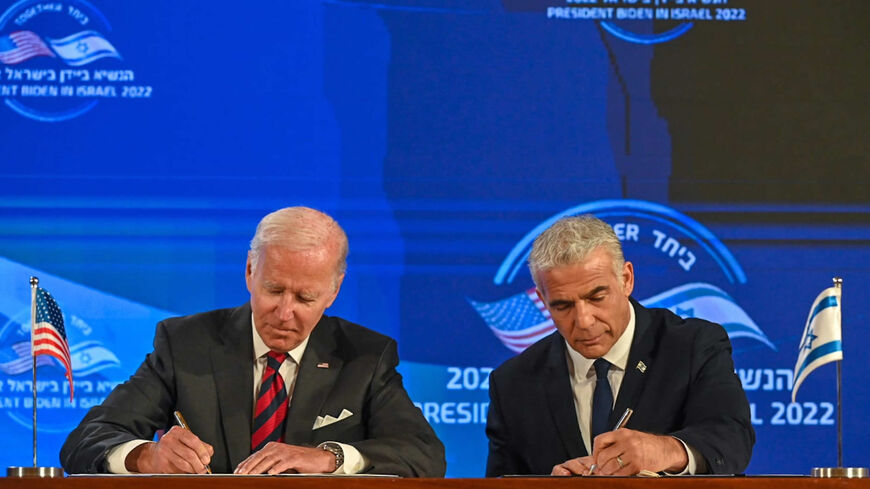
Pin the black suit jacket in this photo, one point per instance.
(202, 365)
(687, 389)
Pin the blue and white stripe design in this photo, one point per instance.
(89, 357)
(522, 319)
(706, 301)
(83, 47)
(821, 342)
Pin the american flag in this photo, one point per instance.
(49, 336)
(20, 46)
(23, 361)
(518, 321)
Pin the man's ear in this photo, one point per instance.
(249, 273)
(540, 294)
(338, 282)
(627, 278)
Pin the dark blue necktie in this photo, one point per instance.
(602, 398)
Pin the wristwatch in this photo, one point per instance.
(336, 450)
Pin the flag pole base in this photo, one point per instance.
(26, 472)
(846, 472)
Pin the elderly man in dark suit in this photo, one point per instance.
(269, 387)
(553, 406)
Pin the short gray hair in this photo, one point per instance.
(570, 240)
(300, 228)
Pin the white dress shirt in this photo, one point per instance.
(583, 379)
(354, 462)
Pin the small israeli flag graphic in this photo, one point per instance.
(83, 47)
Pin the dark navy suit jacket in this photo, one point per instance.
(679, 380)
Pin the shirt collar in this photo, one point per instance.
(261, 349)
(617, 356)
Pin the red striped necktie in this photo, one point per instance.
(270, 412)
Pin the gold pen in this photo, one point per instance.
(181, 422)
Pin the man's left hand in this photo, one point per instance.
(627, 452)
(277, 458)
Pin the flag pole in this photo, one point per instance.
(35, 471)
(839, 470)
(34, 283)
(838, 283)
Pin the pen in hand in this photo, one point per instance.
(181, 422)
(623, 420)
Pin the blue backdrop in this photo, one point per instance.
(725, 141)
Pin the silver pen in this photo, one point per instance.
(623, 420)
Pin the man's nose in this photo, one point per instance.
(584, 317)
(286, 307)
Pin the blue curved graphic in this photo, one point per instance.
(638, 208)
(10, 12)
(706, 301)
(39, 115)
(636, 38)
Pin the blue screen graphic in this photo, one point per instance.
(726, 144)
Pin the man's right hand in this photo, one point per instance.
(178, 452)
(575, 466)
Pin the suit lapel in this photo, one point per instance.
(317, 374)
(557, 385)
(639, 361)
(233, 363)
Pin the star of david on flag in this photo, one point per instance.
(77, 49)
(83, 47)
(49, 336)
(821, 342)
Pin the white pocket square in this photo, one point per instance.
(327, 420)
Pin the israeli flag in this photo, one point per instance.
(90, 357)
(83, 47)
(706, 301)
(821, 342)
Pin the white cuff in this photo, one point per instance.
(354, 462)
(116, 459)
(696, 464)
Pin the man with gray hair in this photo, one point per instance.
(556, 407)
(272, 386)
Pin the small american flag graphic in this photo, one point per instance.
(518, 321)
(20, 46)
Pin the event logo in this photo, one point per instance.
(58, 60)
(89, 358)
(671, 252)
(108, 337)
